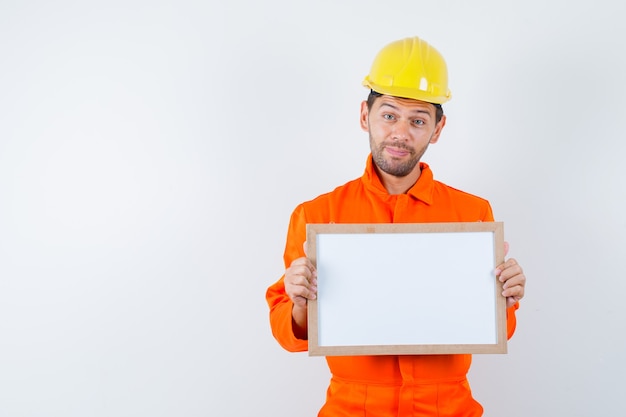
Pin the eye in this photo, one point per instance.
(388, 116)
(419, 122)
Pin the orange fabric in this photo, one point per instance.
(371, 386)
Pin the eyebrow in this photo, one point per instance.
(412, 111)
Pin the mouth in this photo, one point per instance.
(397, 152)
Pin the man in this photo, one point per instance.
(402, 115)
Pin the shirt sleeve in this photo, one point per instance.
(279, 303)
(511, 320)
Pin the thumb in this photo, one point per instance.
(304, 247)
(506, 248)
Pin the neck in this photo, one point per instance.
(398, 185)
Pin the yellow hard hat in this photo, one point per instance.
(410, 68)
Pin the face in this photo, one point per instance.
(400, 131)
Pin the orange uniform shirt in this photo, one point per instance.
(372, 386)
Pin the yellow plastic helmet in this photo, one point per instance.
(410, 68)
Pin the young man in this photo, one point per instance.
(403, 115)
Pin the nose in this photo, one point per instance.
(401, 131)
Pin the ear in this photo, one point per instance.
(364, 116)
(435, 137)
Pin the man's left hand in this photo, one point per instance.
(512, 276)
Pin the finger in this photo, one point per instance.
(306, 262)
(516, 293)
(301, 291)
(514, 287)
(507, 269)
(517, 279)
(301, 261)
(302, 265)
(509, 288)
(301, 274)
(303, 281)
(511, 301)
(512, 276)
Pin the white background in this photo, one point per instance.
(151, 153)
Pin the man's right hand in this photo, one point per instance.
(301, 282)
(300, 285)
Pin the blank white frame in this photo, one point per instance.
(410, 288)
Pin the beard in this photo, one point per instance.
(394, 166)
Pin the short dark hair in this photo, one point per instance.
(371, 98)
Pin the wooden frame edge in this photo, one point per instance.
(499, 347)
